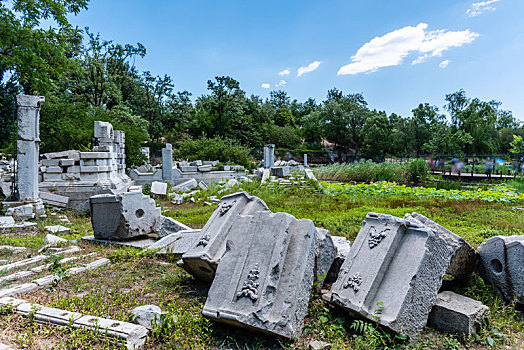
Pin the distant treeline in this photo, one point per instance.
(86, 78)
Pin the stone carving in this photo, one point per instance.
(249, 288)
(224, 207)
(376, 237)
(203, 241)
(354, 282)
(404, 272)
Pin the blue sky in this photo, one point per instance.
(397, 53)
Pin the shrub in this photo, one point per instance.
(417, 171)
(362, 172)
(225, 150)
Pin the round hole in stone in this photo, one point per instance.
(139, 213)
(496, 266)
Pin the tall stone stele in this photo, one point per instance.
(28, 119)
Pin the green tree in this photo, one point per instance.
(517, 146)
(224, 100)
(419, 125)
(284, 117)
(376, 134)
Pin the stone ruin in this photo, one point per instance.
(69, 178)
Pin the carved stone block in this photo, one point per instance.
(202, 259)
(264, 279)
(393, 273)
(502, 265)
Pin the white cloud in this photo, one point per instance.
(391, 49)
(265, 86)
(479, 8)
(444, 63)
(309, 68)
(284, 72)
(281, 83)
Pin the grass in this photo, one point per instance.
(136, 278)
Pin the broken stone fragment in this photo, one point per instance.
(159, 188)
(176, 243)
(342, 245)
(393, 273)
(454, 313)
(202, 259)
(464, 257)
(264, 279)
(502, 265)
(149, 316)
(319, 345)
(123, 216)
(165, 226)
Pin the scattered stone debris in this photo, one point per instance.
(149, 316)
(185, 186)
(453, 313)
(502, 265)
(176, 243)
(159, 188)
(133, 335)
(62, 230)
(280, 171)
(22, 212)
(166, 226)
(53, 240)
(319, 345)
(308, 174)
(54, 200)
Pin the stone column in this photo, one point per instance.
(28, 115)
(269, 156)
(167, 162)
(305, 160)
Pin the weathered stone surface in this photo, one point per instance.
(308, 174)
(71, 154)
(54, 199)
(281, 171)
(342, 245)
(502, 265)
(319, 345)
(393, 271)
(202, 259)
(165, 226)
(176, 243)
(325, 253)
(58, 229)
(167, 162)
(202, 186)
(185, 186)
(5, 347)
(269, 156)
(464, 257)
(159, 188)
(263, 174)
(149, 316)
(196, 163)
(52, 239)
(205, 168)
(18, 289)
(264, 280)
(188, 168)
(28, 135)
(123, 216)
(22, 212)
(232, 182)
(454, 313)
(7, 221)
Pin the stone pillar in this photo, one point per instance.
(305, 160)
(167, 162)
(269, 156)
(28, 115)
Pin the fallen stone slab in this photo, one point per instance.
(343, 246)
(13, 249)
(232, 182)
(176, 243)
(149, 316)
(123, 216)
(18, 289)
(166, 226)
(464, 258)
(21, 263)
(62, 230)
(308, 174)
(159, 188)
(134, 336)
(53, 240)
(22, 212)
(54, 199)
(393, 273)
(185, 186)
(502, 265)
(72, 154)
(454, 313)
(325, 253)
(265, 279)
(203, 186)
(137, 242)
(6, 221)
(202, 259)
(280, 171)
(16, 276)
(5, 347)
